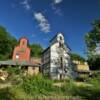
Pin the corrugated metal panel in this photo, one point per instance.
(24, 63)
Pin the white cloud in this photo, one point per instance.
(26, 4)
(57, 1)
(55, 7)
(57, 10)
(43, 22)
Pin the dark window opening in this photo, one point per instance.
(60, 37)
(60, 44)
(23, 43)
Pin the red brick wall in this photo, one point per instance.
(22, 52)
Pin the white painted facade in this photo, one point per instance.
(56, 59)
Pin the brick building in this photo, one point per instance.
(22, 51)
(21, 57)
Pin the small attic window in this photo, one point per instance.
(23, 43)
(61, 38)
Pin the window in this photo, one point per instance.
(60, 44)
(17, 56)
(23, 43)
(60, 37)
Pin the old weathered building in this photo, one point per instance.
(22, 51)
(56, 59)
(81, 68)
(21, 57)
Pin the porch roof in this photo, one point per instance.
(20, 63)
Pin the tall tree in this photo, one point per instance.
(36, 50)
(7, 43)
(92, 38)
(77, 57)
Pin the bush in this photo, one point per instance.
(37, 84)
(94, 63)
(82, 77)
(40, 88)
(13, 70)
(15, 74)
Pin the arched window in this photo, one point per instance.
(23, 43)
(61, 38)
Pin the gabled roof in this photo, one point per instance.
(24, 38)
(67, 46)
(55, 36)
(46, 50)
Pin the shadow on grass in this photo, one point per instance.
(4, 94)
(89, 93)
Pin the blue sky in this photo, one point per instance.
(40, 20)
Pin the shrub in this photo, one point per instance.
(37, 84)
(13, 70)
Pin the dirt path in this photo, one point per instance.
(5, 85)
(82, 84)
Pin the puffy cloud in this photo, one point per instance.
(26, 4)
(57, 1)
(55, 7)
(43, 22)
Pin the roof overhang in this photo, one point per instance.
(19, 63)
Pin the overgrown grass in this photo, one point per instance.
(4, 94)
(37, 85)
(40, 88)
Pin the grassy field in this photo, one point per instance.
(40, 88)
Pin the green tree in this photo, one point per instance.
(92, 38)
(75, 56)
(36, 50)
(7, 43)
